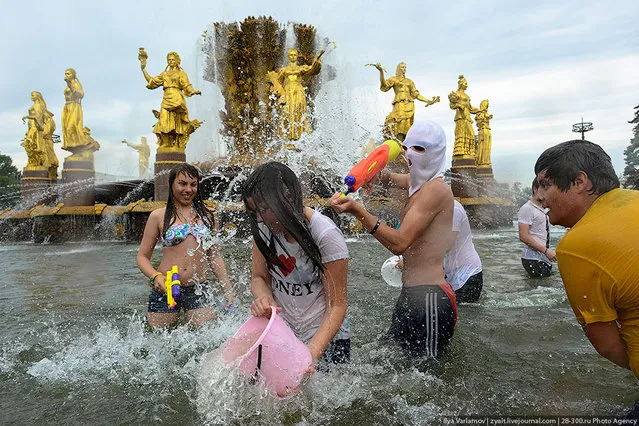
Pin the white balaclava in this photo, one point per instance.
(429, 164)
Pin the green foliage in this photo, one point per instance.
(7, 168)
(9, 180)
(631, 156)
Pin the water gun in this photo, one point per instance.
(364, 171)
(172, 285)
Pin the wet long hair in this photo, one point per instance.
(275, 187)
(170, 215)
(562, 163)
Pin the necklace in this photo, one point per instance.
(190, 219)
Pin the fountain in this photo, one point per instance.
(79, 346)
(268, 108)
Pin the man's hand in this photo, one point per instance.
(551, 255)
(344, 204)
(606, 339)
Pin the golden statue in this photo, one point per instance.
(74, 137)
(287, 83)
(403, 114)
(92, 144)
(482, 117)
(464, 133)
(144, 152)
(38, 141)
(173, 127)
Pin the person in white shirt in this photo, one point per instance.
(300, 263)
(462, 265)
(534, 232)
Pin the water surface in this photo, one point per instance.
(76, 349)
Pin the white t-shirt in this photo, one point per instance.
(462, 261)
(300, 292)
(535, 216)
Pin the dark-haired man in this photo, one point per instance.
(599, 256)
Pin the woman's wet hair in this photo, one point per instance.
(563, 162)
(170, 215)
(275, 187)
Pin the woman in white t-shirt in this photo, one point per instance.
(462, 265)
(300, 262)
(534, 232)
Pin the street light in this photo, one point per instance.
(582, 128)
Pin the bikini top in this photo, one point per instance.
(178, 233)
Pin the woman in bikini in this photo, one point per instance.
(185, 227)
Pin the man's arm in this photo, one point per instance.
(526, 238)
(606, 339)
(400, 180)
(420, 215)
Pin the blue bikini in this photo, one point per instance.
(178, 233)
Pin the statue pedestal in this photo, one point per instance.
(78, 179)
(485, 172)
(34, 186)
(164, 162)
(486, 180)
(464, 178)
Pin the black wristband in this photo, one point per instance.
(376, 226)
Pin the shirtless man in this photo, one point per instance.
(426, 311)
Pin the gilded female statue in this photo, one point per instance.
(464, 132)
(402, 117)
(482, 117)
(292, 96)
(38, 141)
(173, 127)
(72, 121)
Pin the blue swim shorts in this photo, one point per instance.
(192, 297)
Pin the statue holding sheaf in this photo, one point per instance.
(173, 127)
(287, 84)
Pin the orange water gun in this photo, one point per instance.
(364, 171)
(172, 285)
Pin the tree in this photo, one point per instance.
(9, 179)
(631, 156)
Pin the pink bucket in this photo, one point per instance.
(270, 348)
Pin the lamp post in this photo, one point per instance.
(582, 128)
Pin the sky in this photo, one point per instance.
(543, 66)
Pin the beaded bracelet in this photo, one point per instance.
(376, 226)
(152, 278)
